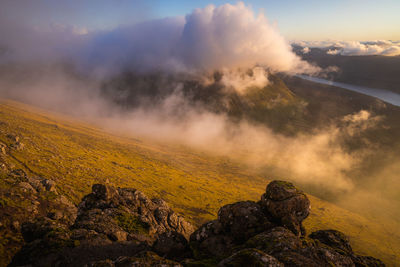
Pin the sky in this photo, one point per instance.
(296, 19)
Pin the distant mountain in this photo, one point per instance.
(381, 72)
(273, 105)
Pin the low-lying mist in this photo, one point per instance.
(223, 49)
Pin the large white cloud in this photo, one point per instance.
(208, 39)
(232, 36)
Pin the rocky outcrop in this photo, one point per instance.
(127, 214)
(110, 222)
(235, 224)
(288, 205)
(122, 227)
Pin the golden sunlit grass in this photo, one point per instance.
(195, 184)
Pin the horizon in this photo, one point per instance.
(308, 20)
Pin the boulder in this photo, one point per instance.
(274, 241)
(243, 220)
(45, 239)
(296, 259)
(338, 243)
(104, 192)
(97, 220)
(27, 187)
(326, 256)
(172, 245)
(49, 185)
(210, 241)
(39, 227)
(287, 205)
(13, 137)
(333, 239)
(143, 259)
(250, 257)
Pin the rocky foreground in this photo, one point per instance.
(122, 227)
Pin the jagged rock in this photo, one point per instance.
(327, 255)
(27, 187)
(35, 183)
(104, 192)
(367, 261)
(45, 238)
(243, 220)
(288, 205)
(236, 223)
(172, 245)
(274, 241)
(18, 146)
(333, 238)
(18, 173)
(49, 185)
(13, 138)
(338, 243)
(90, 237)
(289, 249)
(167, 220)
(210, 241)
(38, 228)
(98, 220)
(150, 217)
(250, 257)
(296, 259)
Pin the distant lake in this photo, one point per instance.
(384, 95)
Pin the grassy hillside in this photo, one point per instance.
(76, 155)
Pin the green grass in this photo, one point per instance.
(195, 184)
(132, 224)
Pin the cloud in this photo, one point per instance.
(232, 36)
(316, 158)
(228, 38)
(306, 50)
(241, 80)
(355, 48)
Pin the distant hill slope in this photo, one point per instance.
(273, 105)
(76, 155)
(381, 72)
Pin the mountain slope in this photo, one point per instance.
(76, 155)
(381, 72)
